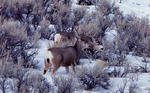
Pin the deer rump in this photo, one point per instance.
(64, 56)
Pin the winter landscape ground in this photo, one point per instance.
(27, 30)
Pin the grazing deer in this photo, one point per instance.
(64, 56)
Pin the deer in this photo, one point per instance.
(64, 56)
(68, 47)
(63, 39)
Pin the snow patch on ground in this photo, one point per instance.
(138, 7)
(136, 61)
(143, 79)
(141, 9)
(110, 35)
(43, 45)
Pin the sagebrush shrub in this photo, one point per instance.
(105, 7)
(92, 77)
(134, 35)
(17, 42)
(64, 84)
(38, 84)
(23, 79)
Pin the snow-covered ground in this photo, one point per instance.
(141, 80)
(140, 8)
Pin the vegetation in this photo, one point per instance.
(24, 22)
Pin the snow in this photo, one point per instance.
(110, 35)
(51, 26)
(43, 45)
(142, 79)
(136, 61)
(144, 82)
(89, 9)
(140, 8)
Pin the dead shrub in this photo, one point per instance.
(145, 67)
(64, 84)
(133, 88)
(37, 84)
(134, 35)
(28, 11)
(116, 57)
(103, 23)
(64, 17)
(3, 85)
(88, 29)
(87, 2)
(23, 81)
(120, 71)
(14, 35)
(78, 15)
(122, 88)
(106, 7)
(94, 26)
(60, 16)
(45, 29)
(66, 2)
(13, 71)
(91, 78)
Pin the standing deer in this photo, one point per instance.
(64, 39)
(67, 50)
(63, 56)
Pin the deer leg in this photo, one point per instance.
(67, 69)
(73, 67)
(54, 69)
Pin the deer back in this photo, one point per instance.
(63, 39)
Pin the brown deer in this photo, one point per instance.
(63, 39)
(64, 56)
